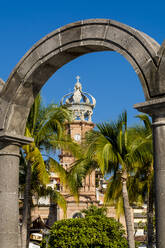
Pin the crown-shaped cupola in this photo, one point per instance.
(80, 103)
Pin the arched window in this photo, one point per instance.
(77, 215)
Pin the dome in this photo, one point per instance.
(80, 103)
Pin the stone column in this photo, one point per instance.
(159, 176)
(9, 176)
(156, 109)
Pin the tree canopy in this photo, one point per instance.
(95, 230)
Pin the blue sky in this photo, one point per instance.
(106, 75)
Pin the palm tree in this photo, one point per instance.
(113, 194)
(145, 173)
(43, 124)
(116, 153)
(55, 198)
(72, 178)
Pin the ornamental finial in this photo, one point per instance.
(78, 79)
(78, 85)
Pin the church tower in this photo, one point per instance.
(81, 104)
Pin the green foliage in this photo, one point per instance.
(45, 124)
(94, 211)
(91, 231)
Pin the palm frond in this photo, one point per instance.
(59, 170)
(56, 197)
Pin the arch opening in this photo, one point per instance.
(62, 46)
(107, 76)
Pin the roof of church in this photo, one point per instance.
(80, 103)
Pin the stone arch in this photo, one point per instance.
(64, 45)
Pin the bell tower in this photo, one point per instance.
(81, 105)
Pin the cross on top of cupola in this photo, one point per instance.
(80, 103)
(78, 85)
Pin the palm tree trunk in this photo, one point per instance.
(25, 230)
(150, 228)
(128, 216)
(52, 217)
